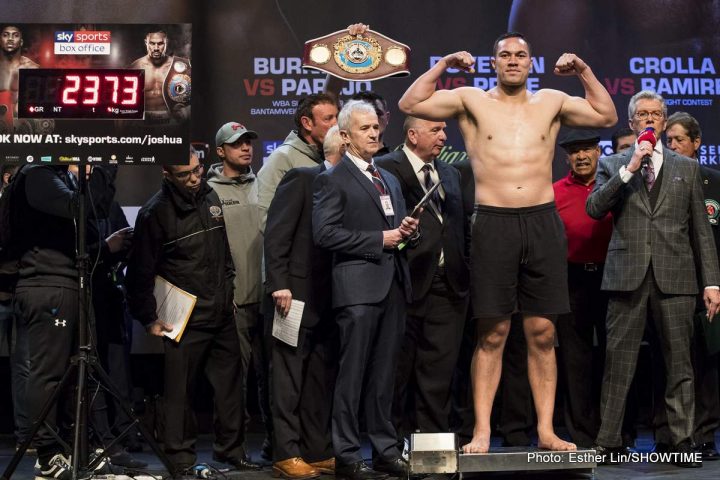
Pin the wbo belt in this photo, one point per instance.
(587, 267)
(357, 57)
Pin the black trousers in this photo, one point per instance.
(580, 364)
(51, 316)
(462, 416)
(216, 353)
(433, 334)
(370, 336)
(303, 379)
(707, 397)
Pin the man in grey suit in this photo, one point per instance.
(358, 212)
(660, 234)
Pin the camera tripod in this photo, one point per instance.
(83, 364)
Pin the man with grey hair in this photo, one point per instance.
(359, 216)
(660, 234)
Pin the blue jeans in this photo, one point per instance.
(13, 332)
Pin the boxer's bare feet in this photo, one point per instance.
(480, 443)
(550, 441)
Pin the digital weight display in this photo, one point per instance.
(110, 94)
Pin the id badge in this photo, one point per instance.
(386, 203)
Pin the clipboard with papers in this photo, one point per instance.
(173, 307)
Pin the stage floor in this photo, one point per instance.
(709, 471)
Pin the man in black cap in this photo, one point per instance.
(587, 247)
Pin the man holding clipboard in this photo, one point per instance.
(180, 236)
(359, 215)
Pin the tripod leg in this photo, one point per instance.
(108, 383)
(80, 450)
(15, 460)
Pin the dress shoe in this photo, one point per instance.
(357, 471)
(709, 451)
(325, 466)
(687, 455)
(123, 459)
(240, 463)
(610, 455)
(133, 445)
(628, 440)
(394, 468)
(662, 447)
(294, 468)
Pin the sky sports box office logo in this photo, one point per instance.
(82, 42)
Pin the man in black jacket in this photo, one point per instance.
(440, 278)
(46, 295)
(180, 236)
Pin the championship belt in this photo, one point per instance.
(176, 88)
(357, 57)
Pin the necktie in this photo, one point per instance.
(649, 175)
(377, 180)
(71, 180)
(435, 197)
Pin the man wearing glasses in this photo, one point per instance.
(660, 237)
(180, 236)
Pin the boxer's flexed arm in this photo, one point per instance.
(597, 109)
(424, 101)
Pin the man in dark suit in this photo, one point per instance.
(660, 234)
(440, 278)
(303, 376)
(358, 214)
(685, 137)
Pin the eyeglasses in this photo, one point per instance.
(184, 176)
(656, 115)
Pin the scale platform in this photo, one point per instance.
(439, 453)
(509, 459)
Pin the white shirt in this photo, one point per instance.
(362, 165)
(417, 165)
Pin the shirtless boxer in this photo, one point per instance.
(11, 60)
(518, 259)
(157, 65)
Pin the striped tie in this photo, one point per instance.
(435, 198)
(377, 180)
